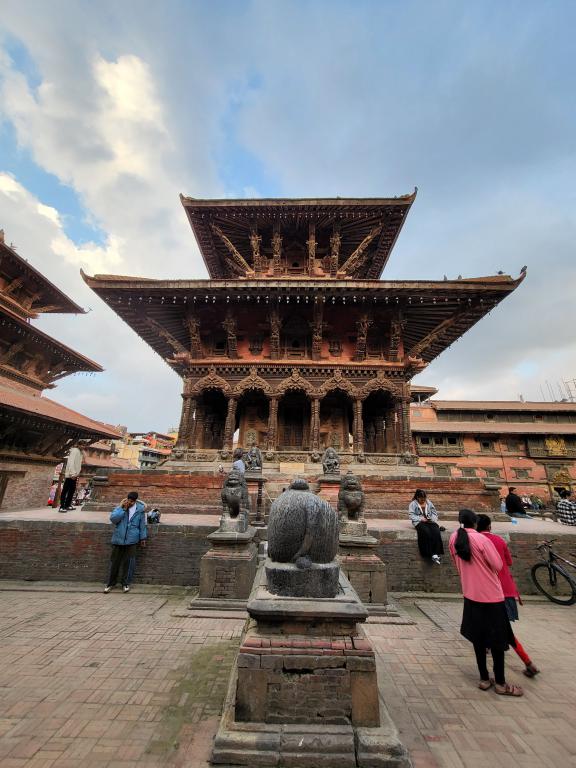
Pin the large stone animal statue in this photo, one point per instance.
(303, 528)
(235, 502)
(350, 498)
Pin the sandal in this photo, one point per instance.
(484, 685)
(509, 690)
(531, 670)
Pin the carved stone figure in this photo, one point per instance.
(235, 503)
(253, 459)
(351, 498)
(302, 527)
(330, 462)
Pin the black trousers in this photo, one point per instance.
(497, 661)
(68, 490)
(429, 539)
(120, 563)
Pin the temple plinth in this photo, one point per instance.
(295, 344)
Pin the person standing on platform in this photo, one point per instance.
(424, 518)
(238, 463)
(511, 594)
(130, 529)
(71, 475)
(485, 622)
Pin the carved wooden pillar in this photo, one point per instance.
(186, 429)
(358, 427)
(255, 240)
(390, 419)
(276, 250)
(362, 326)
(311, 247)
(405, 433)
(317, 330)
(199, 427)
(275, 327)
(229, 325)
(272, 423)
(230, 424)
(315, 424)
(335, 241)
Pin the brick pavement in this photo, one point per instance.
(117, 681)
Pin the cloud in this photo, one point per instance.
(131, 104)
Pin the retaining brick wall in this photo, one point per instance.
(68, 551)
(79, 552)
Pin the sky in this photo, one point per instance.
(110, 110)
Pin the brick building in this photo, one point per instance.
(35, 431)
(530, 445)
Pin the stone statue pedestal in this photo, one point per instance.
(304, 690)
(227, 570)
(328, 487)
(255, 482)
(362, 566)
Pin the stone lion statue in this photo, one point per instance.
(351, 498)
(330, 462)
(235, 502)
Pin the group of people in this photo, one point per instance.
(491, 596)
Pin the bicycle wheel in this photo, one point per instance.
(554, 583)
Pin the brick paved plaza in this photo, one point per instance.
(117, 680)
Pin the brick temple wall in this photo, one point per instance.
(80, 551)
(200, 493)
(28, 484)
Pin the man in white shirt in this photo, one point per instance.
(71, 474)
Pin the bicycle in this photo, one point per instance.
(551, 578)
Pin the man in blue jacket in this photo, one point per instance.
(129, 530)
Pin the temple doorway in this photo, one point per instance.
(211, 414)
(380, 427)
(336, 421)
(294, 422)
(252, 418)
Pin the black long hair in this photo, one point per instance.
(419, 494)
(467, 519)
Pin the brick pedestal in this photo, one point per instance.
(362, 566)
(304, 691)
(227, 570)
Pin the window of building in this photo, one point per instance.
(468, 472)
(452, 441)
(522, 474)
(513, 445)
(442, 470)
(490, 416)
(425, 440)
(438, 441)
(493, 474)
(487, 446)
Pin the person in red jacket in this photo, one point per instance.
(511, 594)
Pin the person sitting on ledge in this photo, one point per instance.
(566, 508)
(424, 518)
(514, 506)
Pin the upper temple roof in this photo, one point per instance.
(330, 237)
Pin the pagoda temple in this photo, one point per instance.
(35, 431)
(295, 343)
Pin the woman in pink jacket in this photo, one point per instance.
(484, 620)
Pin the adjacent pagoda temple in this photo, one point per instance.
(295, 343)
(35, 432)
